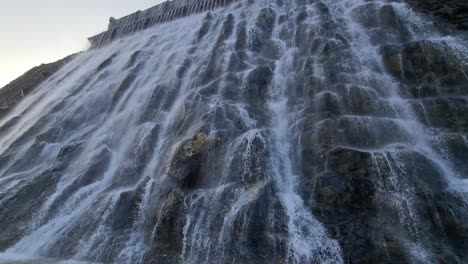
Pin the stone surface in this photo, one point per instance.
(453, 11)
(13, 92)
(264, 132)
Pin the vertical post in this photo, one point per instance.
(190, 10)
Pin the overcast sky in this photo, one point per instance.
(42, 31)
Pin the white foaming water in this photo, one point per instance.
(308, 241)
(114, 131)
(100, 140)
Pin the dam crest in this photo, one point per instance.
(164, 12)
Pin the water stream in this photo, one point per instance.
(263, 132)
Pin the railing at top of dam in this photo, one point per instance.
(160, 13)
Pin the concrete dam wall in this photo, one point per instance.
(158, 14)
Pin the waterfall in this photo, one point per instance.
(263, 131)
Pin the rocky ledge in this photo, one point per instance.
(13, 92)
(452, 11)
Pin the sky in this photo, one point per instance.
(42, 31)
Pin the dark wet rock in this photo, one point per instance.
(317, 46)
(388, 17)
(448, 211)
(212, 70)
(227, 29)
(454, 146)
(429, 69)
(301, 16)
(168, 234)
(365, 101)
(360, 132)
(156, 101)
(423, 91)
(238, 62)
(321, 6)
(346, 182)
(230, 90)
(26, 164)
(383, 36)
(421, 58)
(14, 216)
(127, 82)
(421, 172)
(138, 156)
(241, 36)
(367, 15)
(261, 33)
(304, 37)
(328, 105)
(184, 68)
(126, 211)
(391, 58)
(258, 82)
(450, 112)
(97, 167)
(204, 27)
(67, 151)
(344, 193)
(67, 154)
(348, 200)
(9, 124)
(255, 238)
(133, 59)
(185, 166)
(266, 20)
(106, 63)
(454, 11)
(247, 165)
(271, 50)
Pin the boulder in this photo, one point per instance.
(445, 112)
(258, 82)
(454, 147)
(453, 12)
(168, 234)
(364, 101)
(266, 20)
(186, 162)
(367, 15)
(388, 17)
(359, 132)
(421, 58)
(391, 58)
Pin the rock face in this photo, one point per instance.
(265, 132)
(13, 92)
(453, 11)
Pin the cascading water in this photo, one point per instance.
(265, 132)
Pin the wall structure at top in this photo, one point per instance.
(140, 20)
